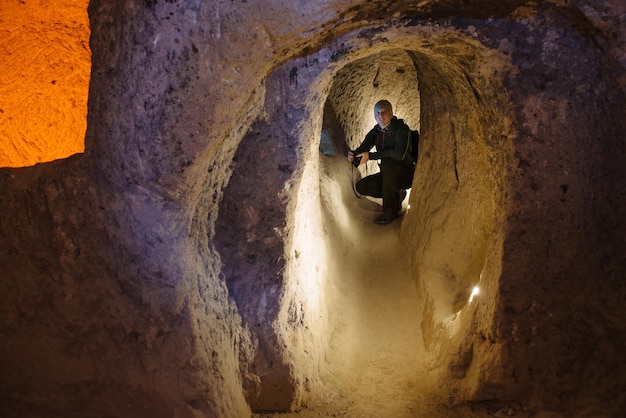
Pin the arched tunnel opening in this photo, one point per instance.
(331, 299)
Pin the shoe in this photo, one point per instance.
(387, 217)
(401, 197)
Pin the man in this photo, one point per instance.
(391, 137)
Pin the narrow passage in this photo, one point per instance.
(378, 342)
(371, 368)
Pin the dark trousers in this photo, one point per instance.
(393, 176)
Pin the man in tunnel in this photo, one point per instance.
(391, 137)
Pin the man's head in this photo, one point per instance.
(383, 113)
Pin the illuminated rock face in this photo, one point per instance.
(45, 61)
(203, 257)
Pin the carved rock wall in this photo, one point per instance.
(159, 274)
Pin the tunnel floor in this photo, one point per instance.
(379, 337)
(375, 342)
(375, 363)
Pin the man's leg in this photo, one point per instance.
(396, 176)
(405, 182)
(393, 177)
(371, 185)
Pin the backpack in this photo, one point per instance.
(414, 143)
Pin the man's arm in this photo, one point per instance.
(401, 147)
(367, 143)
(364, 148)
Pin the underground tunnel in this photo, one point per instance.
(331, 294)
(207, 256)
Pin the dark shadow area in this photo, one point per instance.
(247, 236)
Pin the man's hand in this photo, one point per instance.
(364, 157)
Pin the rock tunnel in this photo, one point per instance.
(206, 255)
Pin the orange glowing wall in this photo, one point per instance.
(45, 64)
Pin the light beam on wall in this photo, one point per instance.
(475, 292)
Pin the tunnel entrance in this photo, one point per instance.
(361, 302)
(338, 307)
(398, 318)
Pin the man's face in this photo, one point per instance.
(383, 117)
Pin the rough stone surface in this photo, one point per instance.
(203, 259)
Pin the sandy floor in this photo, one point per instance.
(373, 366)
(378, 350)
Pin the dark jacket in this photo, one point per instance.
(391, 142)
